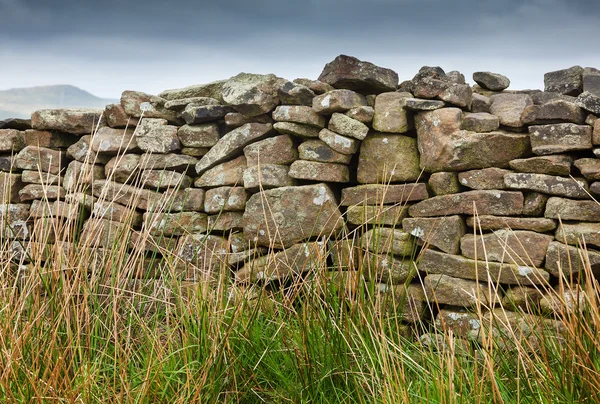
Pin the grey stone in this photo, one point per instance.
(444, 289)
(568, 209)
(362, 114)
(567, 81)
(442, 232)
(225, 199)
(295, 94)
(227, 173)
(203, 135)
(41, 158)
(80, 121)
(375, 194)
(346, 126)
(491, 81)
(181, 103)
(548, 184)
(298, 114)
(212, 90)
(386, 158)
(564, 260)
(444, 183)
(267, 176)
(480, 103)
(252, 94)
(557, 111)
(418, 104)
(589, 102)
(480, 122)
(107, 141)
(390, 114)
(318, 150)
(350, 73)
(318, 87)
(534, 204)
(317, 171)
(156, 136)
(296, 129)
(138, 104)
(500, 203)
(487, 178)
(560, 138)
(116, 117)
(11, 140)
(194, 114)
(589, 168)
(579, 233)
(559, 164)
(488, 222)
(339, 143)
(510, 108)
(337, 101)
(273, 150)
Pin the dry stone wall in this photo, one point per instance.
(432, 187)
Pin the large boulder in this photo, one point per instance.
(350, 73)
(252, 94)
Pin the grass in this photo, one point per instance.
(83, 325)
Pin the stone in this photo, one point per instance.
(487, 178)
(544, 97)
(443, 232)
(317, 171)
(295, 214)
(296, 129)
(55, 210)
(212, 89)
(459, 95)
(181, 103)
(591, 81)
(351, 73)
(196, 114)
(227, 173)
(11, 140)
(518, 247)
(510, 108)
(116, 117)
(534, 204)
(480, 122)
(596, 134)
(548, 184)
(390, 114)
(318, 150)
(568, 209)
(567, 81)
(489, 222)
(15, 123)
(194, 151)
(7, 162)
(291, 262)
(337, 101)
(456, 77)
(384, 215)
(444, 289)
(557, 111)
(41, 158)
(31, 192)
(155, 136)
(430, 82)
(274, 150)
(444, 183)
(434, 262)
(226, 221)
(491, 81)
(79, 121)
(36, 177)
(318, 87)
(162, 179)
(252, 94)
(418, 104)
(444, 147)
(175, 224)
(564, 260)
(595, 188)
(560, 138)
(463, 324)
(383, 240)
(589, 168)
(562, 300)
(579, 233)
(169, 161)
(233, 143)
(295, 94)
(10, 185)
(79, 176)
(346, 126)
(123, 168)
(203, 135)
(552, 165)
(522, 297)
(387, 268)
(375, 194)
(339, 143)
(480, 103)
(235, 119)
(51, 140)
(103, 209)
(14, 219)
(139, 104)
(298, 114)
(362, 114)
(108, 141)
(408, 302)
(386, 158)
(589, 102)
(487, 202)
(267, 176)
(225, 199)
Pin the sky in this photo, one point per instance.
(109, 46)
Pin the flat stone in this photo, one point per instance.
(194, 151)
(51, 140)
(459, 95)
(298, 114)
(566, 81)
(55, 209)
(387, 268)
(43, 192)
(318, 87)
(518, 247)
(480, 122)
(227, 173)
(162, 179)
(111, 142)
(383, 240)
(596, 136)
(82, 152)
(317, 171)
(339, 143)
(181, 103)
(362, 114)
(443, 232)
(548, 184)
(375, 194)
(295, 94)
(544, 97)
(225, 199)
(295, 214)
(41, 158)
(267, 176)
(203, 256)
(123, 168)
(252, 94)
(10, 185)
(444, 183)
(534, 204)
(564, 260)
(14, 219)
(386, 158)
(36, 177)
(79, 121)
(510, 108)
(274, 150)
(522, 297)
(444, 289)
(390, 114)
(235, 119)
(103, 209)
(351, 73)
(169, 161)
(226, 221)
(557, 111)
(576, 233)
(138, 104)
(11, 140)
(487, 178)
(418, 104)
(318, 150)
(553, 165)
(346, 126)
(591, 81)
(212, 89)
(568, 209)
(382, 215)
(15, 123)
(406, 301)
(480, 103)
(433, 262)
(560, 138)
(116, 117)
(499, 203)
(337, 101)
(489, 222)
(589, 102)
(195, 114)
(463, 324)
(233, 143)
(80, 176)
(203, 135)
(491, 81)
(589, 168)
(155, 136)
(296, 129)
(175, 224)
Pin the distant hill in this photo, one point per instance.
(21, 102)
